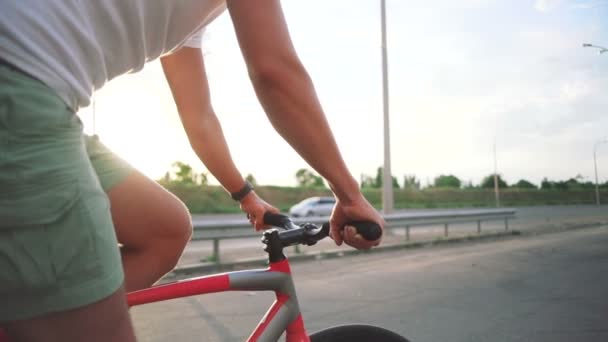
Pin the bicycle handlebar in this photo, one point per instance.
(308, 233)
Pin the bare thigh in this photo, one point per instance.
(103, 321)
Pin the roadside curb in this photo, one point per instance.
(210, 267)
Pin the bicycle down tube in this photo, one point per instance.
(283, 314)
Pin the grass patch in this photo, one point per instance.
(211, 258)
(213, 199)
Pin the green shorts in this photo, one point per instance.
(58, 248)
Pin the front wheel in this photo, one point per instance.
(356, 333)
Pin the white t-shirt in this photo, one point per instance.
(76, 46)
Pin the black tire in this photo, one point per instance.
(356, 333)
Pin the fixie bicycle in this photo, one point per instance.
(284, 315)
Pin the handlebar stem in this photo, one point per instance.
(274, 246)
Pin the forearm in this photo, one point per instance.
(185, 72)
(208, 142)
(290, 101)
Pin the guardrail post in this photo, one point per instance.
(216, 250)
(506, 223)
(478, 226)
(445, 230)
(407, 233)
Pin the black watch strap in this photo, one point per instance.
(239, 195)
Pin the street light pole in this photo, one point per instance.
(387, 189)
(597, 187)
(601, 48)
(496, 193)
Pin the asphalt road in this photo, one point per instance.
(548, 287)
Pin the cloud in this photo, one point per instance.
(588, 4)
(546, 5)
(549, 5)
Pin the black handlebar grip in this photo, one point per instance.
(370, 231)
(276, 220)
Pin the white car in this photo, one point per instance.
(313, 206)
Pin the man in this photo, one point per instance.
(60, 269)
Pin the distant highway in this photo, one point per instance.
(528, 219)
(535, 213)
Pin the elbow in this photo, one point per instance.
(277, 72)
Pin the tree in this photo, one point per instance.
(546, 184)
(183, 173)
(524, 184)
(307, 179)
(468, 185)
(202, 179)
(380, 176)
(411, 182)
(251, 179)
(488, 182)
(449, 181)
(367, 181)
(575, 183)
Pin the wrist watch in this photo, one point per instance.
(245, 190)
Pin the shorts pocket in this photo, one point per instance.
(60, 254)
(37, 205)
(74, 251)
(25, 261)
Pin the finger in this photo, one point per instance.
(352, 238)
(350, 234)
(335, 234)
(259, 224)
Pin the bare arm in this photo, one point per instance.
(286, 92)
(185, 73)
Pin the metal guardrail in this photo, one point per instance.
(217, 230)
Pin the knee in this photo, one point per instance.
(176, 233)
(180, 224)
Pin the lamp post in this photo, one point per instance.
(601, 48)
(496, 191)
(597, 187)
(387, 178)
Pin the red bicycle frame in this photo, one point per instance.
(283, 315)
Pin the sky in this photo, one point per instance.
(463, 75)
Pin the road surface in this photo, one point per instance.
(548, 287)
